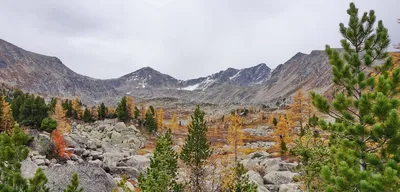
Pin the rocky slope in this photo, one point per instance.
(259, 84)
(104, 151)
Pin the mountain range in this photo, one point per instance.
(48, 76)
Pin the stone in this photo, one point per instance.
(271, 164)
(108, 128)
(255, 177)
(74, 157)
(138, 161)
(70, 142)
(133, 128)
(97, 162)
(91, 178)
(120, 126)
(97, 155)
(279, 177)
(28, 168)
(39, 162)
(129, 172)
(290, 187)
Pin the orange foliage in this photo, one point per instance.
(130, 106)
(60, 144)
(59, 115)
(173, 123)
(76, 106)
(160, 119)
(6, 119)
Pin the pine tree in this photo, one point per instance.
(137, 113)
(235, 133)
(87, 116)
(196, 149)
(161, 175)
(151, 122)
(17, 102)
(364, 139)
(13, 151)
(74, 185)
(122, 111)
(275, 121)
(48, 125)
(102, 111)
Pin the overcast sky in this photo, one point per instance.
(183, 38)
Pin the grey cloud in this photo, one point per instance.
(186, 39)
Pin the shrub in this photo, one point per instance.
(48, 125)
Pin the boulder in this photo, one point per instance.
(140, 162)
(91, 178)
(133, 128)
(279, 177)
(120, 126)
(271, 164)
(28, 168)
(39, 162)
(291, 187)
(129, 172)
(108, 128)
(255, 177)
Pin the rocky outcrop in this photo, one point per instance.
(91, 177)
(270, 174)
(101, 151)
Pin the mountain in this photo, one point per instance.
(46, 75)
(239, 77)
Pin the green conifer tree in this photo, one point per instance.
(364, 153)
(122, 111)
(161, 174)
(74, 185)
(151, 122)
(102, 111)
(242, 182)
(87, 116)
(13, 150)
(196, 149)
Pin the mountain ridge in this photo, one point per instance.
(38, 73)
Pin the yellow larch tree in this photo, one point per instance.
(235, 133)
(300, 111)
(59, 115)
(76, 106)
(282, 134)
(160, 119)
(94, 112)
(173, 123)
(110, 111)
(130, 106)
(6, 117)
